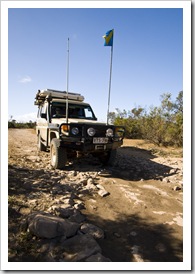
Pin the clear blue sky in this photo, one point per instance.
(147, 56)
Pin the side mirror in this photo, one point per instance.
(44, 115)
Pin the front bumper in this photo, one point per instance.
(88, 146)
(100, 141)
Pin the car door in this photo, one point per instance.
(42, 122)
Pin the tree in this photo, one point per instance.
(137, 112)
(179, 103)
(164, 125)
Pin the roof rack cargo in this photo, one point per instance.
(52, 93)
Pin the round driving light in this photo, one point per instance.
(74, 130)
(109, 132)
(91, 131)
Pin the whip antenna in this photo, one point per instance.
(67, 89)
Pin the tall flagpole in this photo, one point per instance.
(110, 82)
(109, 42)
(67, 81)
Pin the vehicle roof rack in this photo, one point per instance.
(44, 94)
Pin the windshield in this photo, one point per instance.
(58, 110)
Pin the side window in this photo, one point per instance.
(43, 111)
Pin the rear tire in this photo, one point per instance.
(58, 154)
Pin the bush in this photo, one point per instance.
(14, 124)
(161, 125)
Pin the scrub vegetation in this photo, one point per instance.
(161, 125)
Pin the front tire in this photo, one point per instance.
(58, 154)
(108, 158)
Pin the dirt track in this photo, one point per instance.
(141, 215)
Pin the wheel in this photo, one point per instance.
(40, 145)
(58, 154)
(108, 158)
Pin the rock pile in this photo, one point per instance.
(61, 240)
(61, 231)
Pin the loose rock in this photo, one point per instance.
(93, 230)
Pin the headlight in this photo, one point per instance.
(109, 132)
(91, 131)
(75, 130)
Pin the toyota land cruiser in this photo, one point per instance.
(69, 128)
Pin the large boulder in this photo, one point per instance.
(48, 226)
(79, 248)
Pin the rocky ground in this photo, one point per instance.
(130, 212)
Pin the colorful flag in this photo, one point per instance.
(109, 38)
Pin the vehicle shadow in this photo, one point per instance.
(131, 164)
(136, 164)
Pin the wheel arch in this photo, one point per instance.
(52, 135)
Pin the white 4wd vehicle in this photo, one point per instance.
(75, 135)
